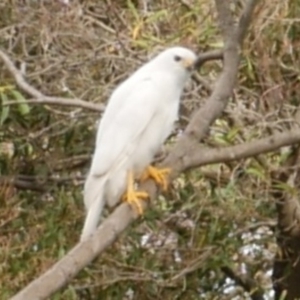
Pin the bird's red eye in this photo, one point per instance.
(177, 58)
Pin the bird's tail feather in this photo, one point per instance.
(94, 202)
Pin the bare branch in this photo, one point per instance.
(21, 184)
(207, 56)
(61, 102)
(203, 156)
(40, 98)
(214, 106)
(226, 22)
(228, 27)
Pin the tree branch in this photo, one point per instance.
(214, 106)
(207, 56)
(20, 184)
(202, 156)
(226, 22)
(40, 98)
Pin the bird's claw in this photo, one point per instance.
(158, 175)
(132, 197)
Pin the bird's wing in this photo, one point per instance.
(117, 136)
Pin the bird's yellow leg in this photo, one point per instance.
(158, 175)
(132, 196)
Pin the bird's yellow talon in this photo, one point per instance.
(158, 175)
(132, 196)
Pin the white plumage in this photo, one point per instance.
(139, 117)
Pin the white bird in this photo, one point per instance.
(138, 118)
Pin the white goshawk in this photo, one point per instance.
(138, 118)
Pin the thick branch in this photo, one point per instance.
(39, 97)
(214, 106)
(226, 22)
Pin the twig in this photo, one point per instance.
(40, 98)
(37, 184)
(202, 82)
(249, 285)
(271, 224)
(21, 184)
(207, 56)
(61, 102)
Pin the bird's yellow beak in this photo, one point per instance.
(188, 64)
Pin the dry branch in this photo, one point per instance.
(40, 98)
(206, 156)
(207, 56)
(214, 106)
(20, 184)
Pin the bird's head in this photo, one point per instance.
(177, 59)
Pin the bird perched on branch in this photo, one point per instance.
(138, 118)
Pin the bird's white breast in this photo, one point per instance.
(161, 125)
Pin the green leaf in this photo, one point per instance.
(220, 139)
(256, 172)
(217, 45)
(285, 187)
(250, 68)
(231, 135)
(5, 88)
(23, 107)
(29, 149)
(5, 109)
(156, 16)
